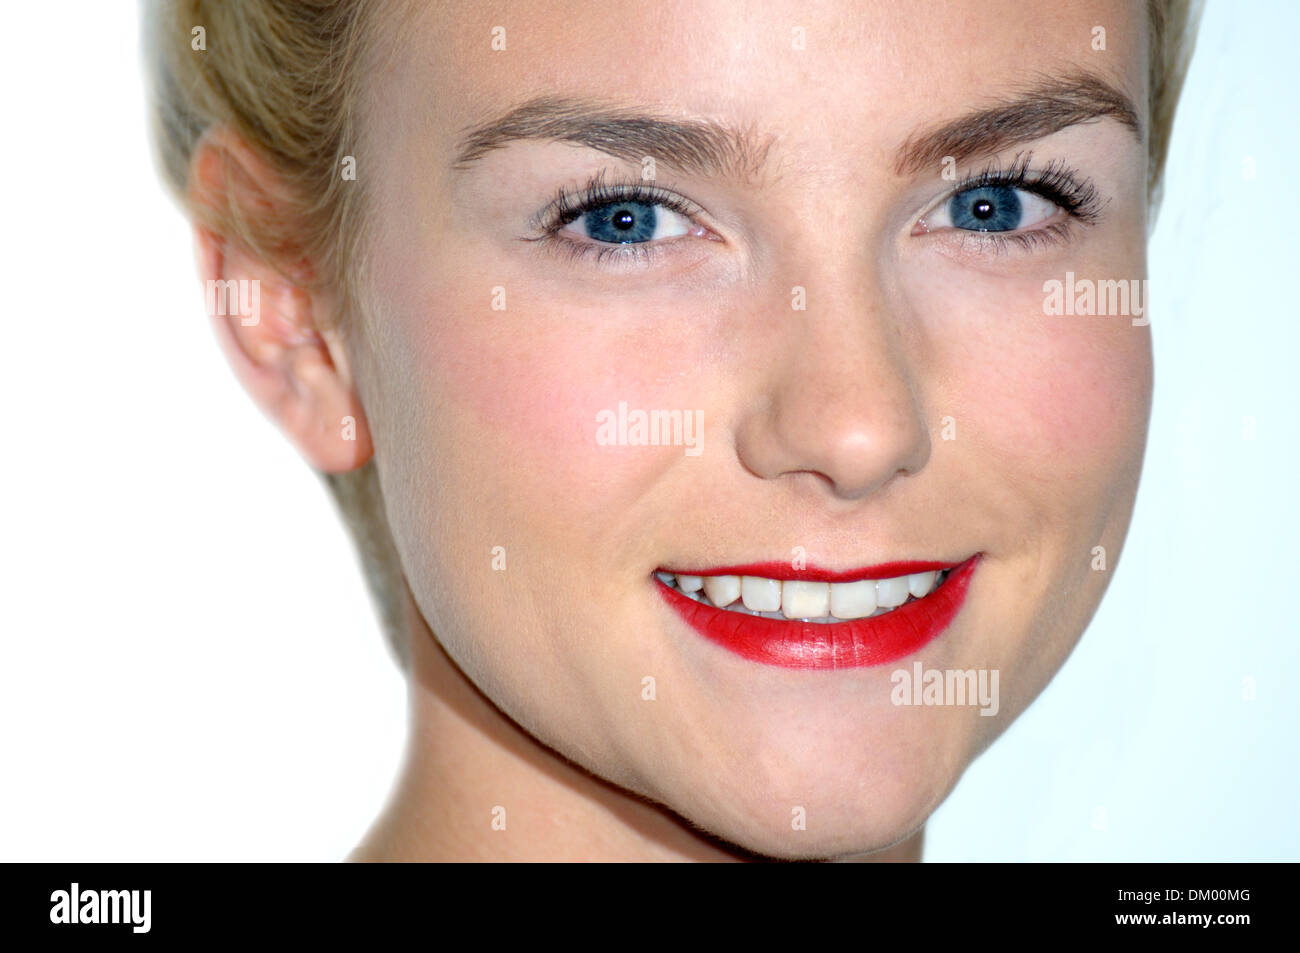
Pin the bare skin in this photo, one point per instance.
(824, 428)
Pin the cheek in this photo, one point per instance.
(512, 401)
(1057, 402)
(1071, 396)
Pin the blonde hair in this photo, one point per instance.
(285, 76)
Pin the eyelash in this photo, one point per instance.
(569, 205)
(1056, 182)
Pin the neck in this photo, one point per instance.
(475, 787)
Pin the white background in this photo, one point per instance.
(190, 668)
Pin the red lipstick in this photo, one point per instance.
(782, 571)
(854, 643)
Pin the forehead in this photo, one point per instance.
(828, 79)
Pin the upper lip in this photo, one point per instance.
(784, 570)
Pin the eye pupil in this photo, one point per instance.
(986, 208)
(621, 222)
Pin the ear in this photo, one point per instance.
(275, 332)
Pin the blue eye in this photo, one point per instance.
(620, 223)
(629, 222)
(994, 208)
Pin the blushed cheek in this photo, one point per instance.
(1057, 402)
(1075, 396)
(519, 400)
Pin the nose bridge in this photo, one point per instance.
(841, 398)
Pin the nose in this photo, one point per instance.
(838, 397)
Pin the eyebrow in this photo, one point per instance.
(1048, 106)
(693, 146)
(711, 148)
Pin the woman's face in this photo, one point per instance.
(865, 377)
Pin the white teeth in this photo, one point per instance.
(920, 583)
(802, 599)
(891, 592)
(805, 600)
(759, 594)
(722, 590)
(853, 600)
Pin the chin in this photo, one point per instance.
(837, 797)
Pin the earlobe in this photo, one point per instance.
(270, 326)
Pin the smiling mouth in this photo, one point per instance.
(816, 619)
(805, 599)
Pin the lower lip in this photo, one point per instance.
(854, 643)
